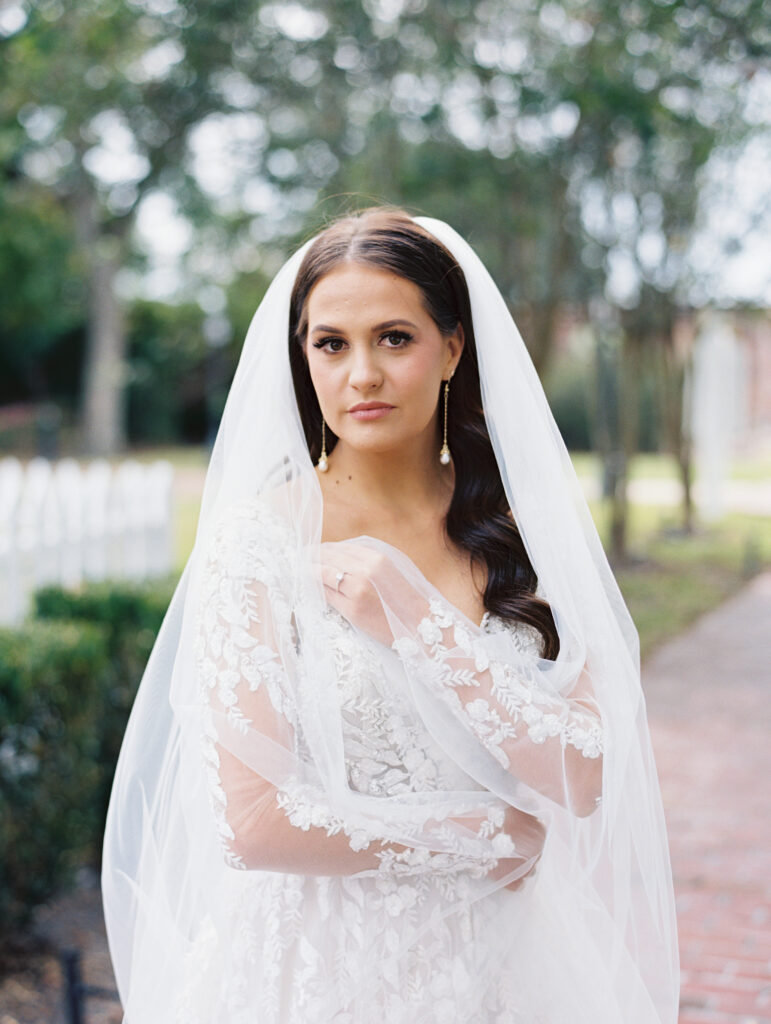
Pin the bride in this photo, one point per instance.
(389, 758)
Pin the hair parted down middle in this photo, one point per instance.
(479, 519)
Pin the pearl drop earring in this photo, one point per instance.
(444, 452)
(323, 464)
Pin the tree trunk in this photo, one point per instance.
(673, 388)
(684, 366)
(607, 429)
(545, 309)
(629, 395)
(104, 372)
(103, 411)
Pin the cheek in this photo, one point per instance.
(418, 378)
(319, 373)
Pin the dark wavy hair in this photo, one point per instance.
(479, 519)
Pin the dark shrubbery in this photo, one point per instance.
(571, 387)
(130, 617)
(51, 677)
(67, 682)
(570, 390)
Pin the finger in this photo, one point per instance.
(354, 558)
(341, 557)
(329, 578)
(340, 561)
(334, 578)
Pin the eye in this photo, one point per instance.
(401, 337)
(329, 342)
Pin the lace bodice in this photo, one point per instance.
(387, 750)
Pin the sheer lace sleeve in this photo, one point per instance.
(249, 710)
(268, 815)
(551, 742)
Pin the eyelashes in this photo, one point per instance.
(403, 337)
(325, 342)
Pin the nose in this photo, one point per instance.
(365, 373)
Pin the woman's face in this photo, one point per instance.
(371, 342)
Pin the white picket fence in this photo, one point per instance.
(60, 524)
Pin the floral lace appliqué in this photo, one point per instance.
(513, 701)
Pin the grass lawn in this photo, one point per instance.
(671, 579)
(187, 509)
(653, 466)
(187, 457)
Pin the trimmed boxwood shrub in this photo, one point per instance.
(68, 678)
(51, 679)
(131, 615)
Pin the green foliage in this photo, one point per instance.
(569, 388)
(52, 675)
(167, 356)
(561, 138)
(681, 576)
(244, 296)
(67, 683)
(130, 617)
(42, 288)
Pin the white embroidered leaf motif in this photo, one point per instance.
(505, 704)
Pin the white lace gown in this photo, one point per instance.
(386, 945)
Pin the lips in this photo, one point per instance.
(370, 410)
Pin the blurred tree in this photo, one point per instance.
(466, 126)
(55, 87)
(567, 140)
(660, 89)
(564, 137)
(105, 98)
(166, 355)
(41, 283)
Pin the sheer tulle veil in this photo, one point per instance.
(604, 879)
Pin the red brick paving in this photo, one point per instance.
(709, 698)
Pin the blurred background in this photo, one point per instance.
(159, 159)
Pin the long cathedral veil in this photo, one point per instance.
(603, 880)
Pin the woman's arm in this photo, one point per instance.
(551, 742)
(271, 829)
(250, 738)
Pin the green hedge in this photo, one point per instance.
(131, 616)
(68, 678)
(571, 388)
(51, 675)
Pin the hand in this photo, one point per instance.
(529, 836)
(368, 573)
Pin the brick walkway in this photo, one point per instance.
(708, 695)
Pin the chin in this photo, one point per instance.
(383, 438)
(377, 445)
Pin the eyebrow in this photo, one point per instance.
(377, 327)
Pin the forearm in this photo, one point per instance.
(554, 748)
(293, 830)
(552, 743)
(269, 841)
